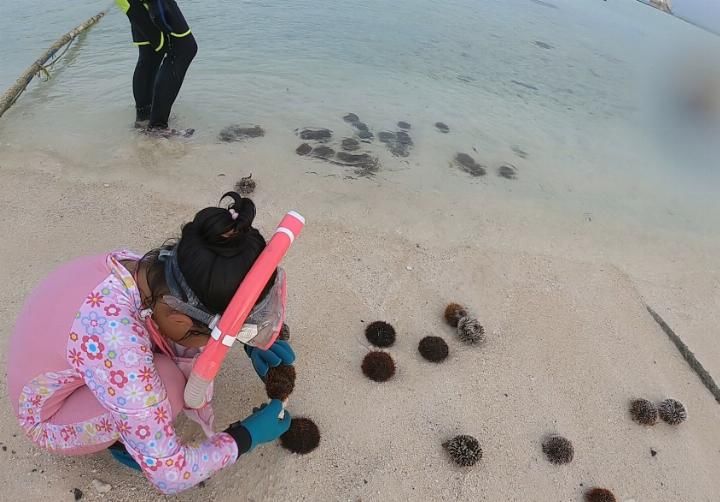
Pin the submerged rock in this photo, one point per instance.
(351, 118)
(404, 125)
(303, 149)
(324, 152)
(443, 128)
(386, 136)
(507, 171)
(351, 159)
(360, 126)
(367, 136)
(404, 138)
(315, 134)
(238, 133)
(398, 143)
(466, 163)
(399, 150)
(350, 144)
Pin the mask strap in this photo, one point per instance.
(191, 311)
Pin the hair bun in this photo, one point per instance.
(242, 211)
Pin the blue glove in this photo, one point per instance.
(264, 425)
(279, 353)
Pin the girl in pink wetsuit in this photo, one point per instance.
(99, 359)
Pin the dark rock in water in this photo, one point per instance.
(77, 494)
(507, 171)
(386, 136)
(226, 135)
(366, 135)
(404, 125)
(315, 134)
(324, 152)
(519, 152)
(543, 45)
(399, 150)
(350, 144)
(353, 159)
(404, 138)
(360, 126)
(397, 143)
(468, 164)
(238, 133)
(443, 128)
(245, 186)
(303, 149)
(351, 118)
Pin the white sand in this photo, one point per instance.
(569, 343)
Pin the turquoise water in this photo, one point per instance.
(570, 82)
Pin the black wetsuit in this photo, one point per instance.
(166, 49)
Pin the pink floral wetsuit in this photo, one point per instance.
(82, 374)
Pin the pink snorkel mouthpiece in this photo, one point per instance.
(231, 326)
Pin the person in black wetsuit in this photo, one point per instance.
(166, 48)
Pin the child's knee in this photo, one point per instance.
(173, 380)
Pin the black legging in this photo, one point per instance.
(166, 49)
(158, 77)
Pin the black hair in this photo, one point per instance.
(215, 252)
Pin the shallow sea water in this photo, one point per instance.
(564, 90)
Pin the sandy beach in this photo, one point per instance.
(562, 295)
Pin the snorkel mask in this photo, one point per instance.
(260, 328)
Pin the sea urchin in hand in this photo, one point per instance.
(280, 382)
(643, 412)
(464, 450)
(378, 366)
(558, 450)
(380, 334)
(672, 411)
(599, 495)
(302, 437)
(470, 331)
(454, 312)
(433, 348)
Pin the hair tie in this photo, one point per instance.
(233, 214)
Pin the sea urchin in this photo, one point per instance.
(470, 330)
(454, 312)
(672, 411)
(284, 332)
(643, 412)
(280, 382)
(464, 450)
(302, 437)
(433, 348)
(558, 450)
(378, 366)
(599, 495)
(380, 334)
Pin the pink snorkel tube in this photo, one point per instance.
(230, 325)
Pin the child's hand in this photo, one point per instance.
(279, 353)
(263, 425)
